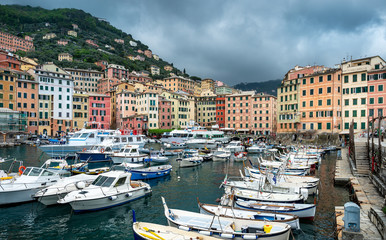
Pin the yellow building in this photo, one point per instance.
(8, 88)
(27, 63)
(168, 68)
(180, 83)
(80, 109)
(206, 108)
(65, 56)
(355, 89)
(182, 108)
(208, 84)
(72, 33)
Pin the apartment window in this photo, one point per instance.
(328, 77)
(311, 80)
(363, 76)
(320, 103)
(311, 103)
(363, 125)
(311, 126)
(355, 101)
(319, 126)
(363, 113)
(320, 90)
(380, 88)
(354, 78)
(311, 91)
(60, 97)
(363, 100)
(380, 100)
(354, 113)
(304, 81)
(328, 126)
(346, 102)
(60, 105)
(346, 125)
(355, 125)
(371, 100)
(346, 114)
(371, 112)
(328, 89)
(304, 104)
(311, 114)
(304, 92)
(328, 102)
(320, 78)
(345, 79)
(371, 88)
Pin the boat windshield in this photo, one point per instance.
(103, 181)
(26, 172)
(84, 135)
(76, 135)
(35, 172)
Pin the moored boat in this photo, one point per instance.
(190, 158)
(150, 172)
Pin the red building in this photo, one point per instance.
(114, 71)
(99, 111)
(8, 60)
(136, 123)
(164, 113)
(220, 111)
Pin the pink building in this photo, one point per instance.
(106, 85)
(92, 43)
(125, 108)
(164, 113)
(115, 71)
(376, 95)
(103, 64)
(148, 53)
(121, 41)
(136, 123)
(99, 111)
(263, 114)
(62, 42)
(12, 43)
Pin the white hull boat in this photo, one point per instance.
(108, 190)
(253, 215)
(190, 158)
(304, 211)
(235, 146)
(129, 154)
(201, 144)
(221, 155)
(226, 227)
(256, 149)
(51, 194)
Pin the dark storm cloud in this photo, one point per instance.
(243, 41)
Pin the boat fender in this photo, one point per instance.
(80, 185)
(249, 236)
(185, 228)
(227, 235)
(143, 174)
(129, 194)
(113, 198)
(207, 233)
(267, 228)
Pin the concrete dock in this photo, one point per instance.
(365, 194)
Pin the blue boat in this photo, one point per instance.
(150, 172)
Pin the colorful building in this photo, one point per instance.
(206, 108)
(65, 56)
(85, 79)
(376, 95)
(8, 78)
(12, 43)
(99, 111)
(320, 102)
(147, 104)
(237, 107)
(208, 84)
(125, 107)
(355, 91)
(155, 70)
(220, 110)
(179, 83)
(114, 71)
(80, 109)
(263, 114)
(9, 60)
(148, 53)
(164, 113)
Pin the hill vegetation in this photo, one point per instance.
(36, 22)
(269, 87)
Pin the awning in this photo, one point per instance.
(227, 129)
(243, 130)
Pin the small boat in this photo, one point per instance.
(254, 215)
(108, 190)
(130, 154)
(151, 231)
(235, 146)
(304, 211)
(225, 227)
(283, 177)
(175, 145)
(150, 172)
(255, 148)
(240, 156)
(157, 157)
(201, 143)
(91, 168)
(221, 154)
(50, 195)
(257, 195)
(190, 158)
(22, 189)
(100, 152)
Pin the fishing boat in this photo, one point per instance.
(253, 215)
(190, 158)
(235, 146)
(50, 195)
(304, 211)
(221, 154)
(21, 189)
(150, 172)
(108, 190)
(257, 195)
(225, 227)
(283, 177)
(130, 154)
(151, 231)
(157, 157)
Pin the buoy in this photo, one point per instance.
(267, 228)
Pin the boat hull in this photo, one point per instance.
(128, 159)
(19, 196)
(105, 202)
(143, 175)
(85, 156)
(221, 158)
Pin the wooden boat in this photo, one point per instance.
(151, 231)
(257, 195)
(304, 211)
(226, 227)
(253, 215)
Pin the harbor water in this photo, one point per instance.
(180, 189)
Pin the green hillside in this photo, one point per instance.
(269, 87)
(36, 22)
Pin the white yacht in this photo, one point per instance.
(129, 154)
(221, 154)
(235, 146)
(108, 190)
(190, 158)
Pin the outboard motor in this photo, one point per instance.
(304, 193)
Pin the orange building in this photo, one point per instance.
(376, 95)
(263, 114)
(27, 100)
(320, 102)
(8, 79)
(12, 43)
(176, 83)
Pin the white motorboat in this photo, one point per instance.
(256, 148)
(235, 146)
(175, 145)
(108, 190)
(240, 156)
(226, 227)
(201, 143)
(257, 195)
(157, 157)
(282, 177)
(253, 215)
(50, 195)
(21, 189)
(304, 211)
(221, 154)
(130, 154)
(190, 158)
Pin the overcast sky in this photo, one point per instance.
(246, 40)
